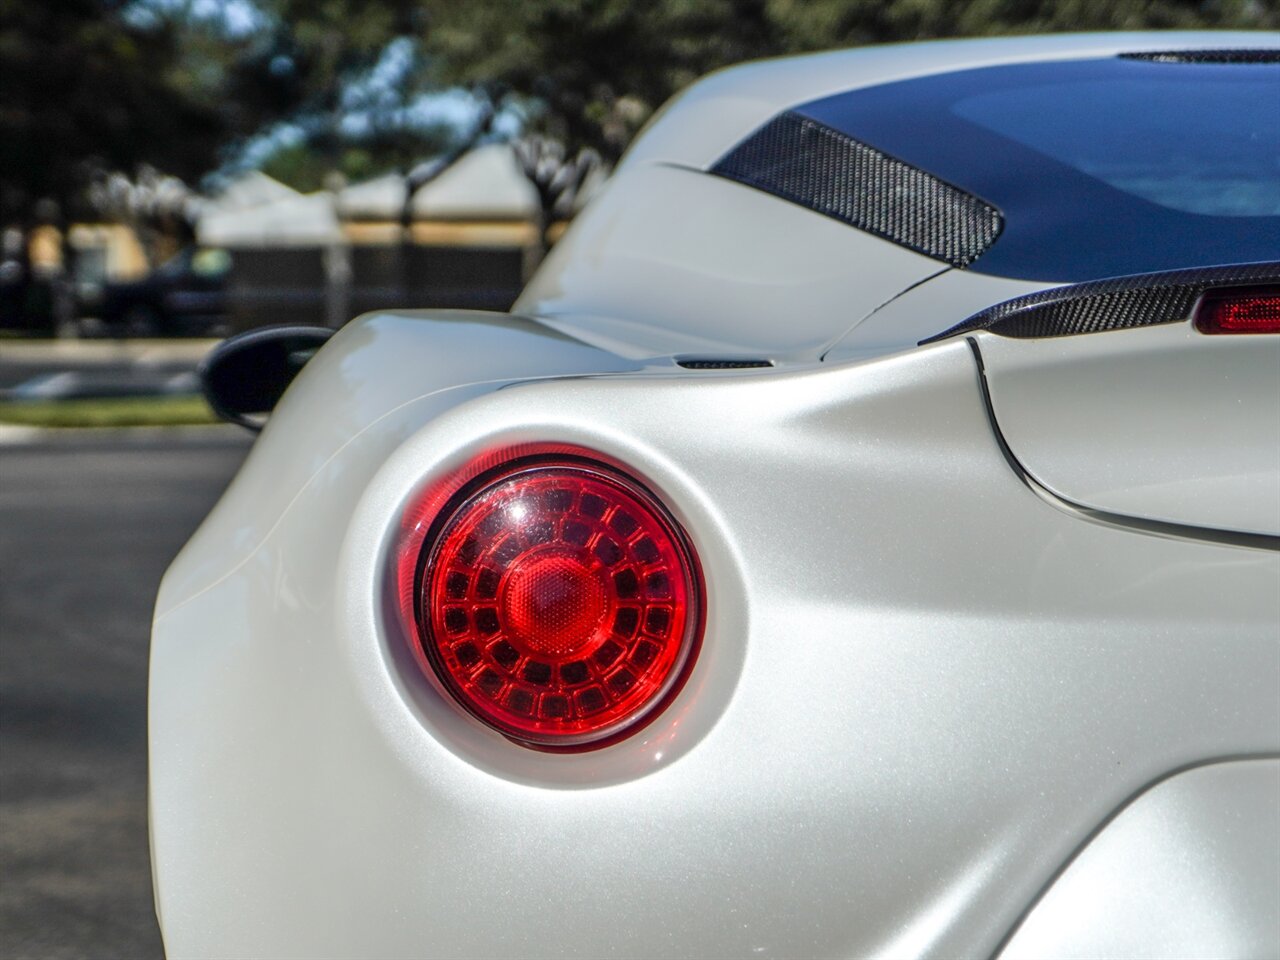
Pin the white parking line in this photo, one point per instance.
(14, 434)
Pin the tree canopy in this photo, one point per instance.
(595, 70)
(182, 86)
(83, 89)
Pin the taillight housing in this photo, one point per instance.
(1254, 310)
(559, 602)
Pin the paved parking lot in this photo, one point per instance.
(88, 524)
(37, 369)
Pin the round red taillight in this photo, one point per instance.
(559, 602)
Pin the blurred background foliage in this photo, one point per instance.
(305, 88)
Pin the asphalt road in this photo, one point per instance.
(87, 527)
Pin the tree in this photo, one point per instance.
(818, 24)
(157, 206)
(85, 89)
(592, 71)
(91, 87)
(589, 73)
(98, 86)
(557, 179)
(342, 78)
(586, 73)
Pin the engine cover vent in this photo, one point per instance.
(698, 363)
(816, 166)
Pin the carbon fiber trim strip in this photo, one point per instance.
(1145, 300)
(815, 166)
(1205, 56)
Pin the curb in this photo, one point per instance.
(15, 434)
(107, 351)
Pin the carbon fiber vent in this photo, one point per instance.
(1146, 300)
(698, 364)
(1206, 56)
(817, 167)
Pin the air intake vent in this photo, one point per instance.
(1206, 56)
(1146, 300)
(701, 364)
(811, 164)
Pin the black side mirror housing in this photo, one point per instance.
(245, 376)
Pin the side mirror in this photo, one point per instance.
(245, 376)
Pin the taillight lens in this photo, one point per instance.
(1240, 311)
(559, 602)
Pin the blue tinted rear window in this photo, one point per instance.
(1100, 167)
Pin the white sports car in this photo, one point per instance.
(861, 539)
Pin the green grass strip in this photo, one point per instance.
(113, 412)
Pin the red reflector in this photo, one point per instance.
(1239, 311)
(559, 604)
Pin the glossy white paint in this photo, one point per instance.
(924, 311)
(889, 745)
(677, 261)
(429, 361)
(1164, 422)
(1189, 869)
(923, 687)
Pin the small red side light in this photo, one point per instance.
(559, 603)
(1240, 311)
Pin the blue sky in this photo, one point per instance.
(372, 96)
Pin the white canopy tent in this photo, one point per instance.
(485, 184)
(296, 220)
(251, 189)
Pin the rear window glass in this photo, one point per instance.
(1219, 154)
(1101, 167)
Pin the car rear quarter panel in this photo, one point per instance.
(921, 687)
(1190, 869)
(1164, 422)
(392, 370)
(674, 260)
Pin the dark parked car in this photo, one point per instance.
(185, 295)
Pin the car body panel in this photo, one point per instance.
(888, 746)
(924, 311)
(925, 684)
(1161, 422)
(1190, 869)
(671, 260)
(403, 367)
